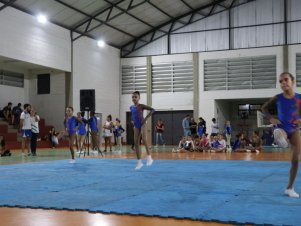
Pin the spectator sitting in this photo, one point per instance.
(237, 144)
(267, 137)
(3, 150)
(16, 113)
(197, 143)
(256, 143)
(7, 112)
(181, 145)
(53, 137)
(205, 145)
(211, 141)
(219, 144)
(189, 145)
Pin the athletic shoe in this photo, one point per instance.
(291, 193)
(280, 139)
(149, 160)
(139, 165)
(248, 150)
(72, 161)
(257, 151)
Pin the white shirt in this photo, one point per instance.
(214, 128)
(222, 143)
(35, 124)
(26, 120)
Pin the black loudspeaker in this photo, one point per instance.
(87, 99)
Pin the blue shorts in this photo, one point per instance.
(26, 133)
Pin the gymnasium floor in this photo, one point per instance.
(33, 217)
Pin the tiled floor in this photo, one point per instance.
(34, 217)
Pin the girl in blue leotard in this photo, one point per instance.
(139, 128)
(287, 124)
(81, 131)
(71, 122)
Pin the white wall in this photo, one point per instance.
(99, 69)
(206, 101)
(49, 106)
(14, 94)
(23, 38)
(177, 100)
(222, 112)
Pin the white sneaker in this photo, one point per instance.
(139, 165)
(149, 160)
(248, 150)
(229, 149)
(72, 161)
(257, 151)
(280, 139)
(291, 193)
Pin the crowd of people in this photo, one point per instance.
(27, 122)
(196, 138)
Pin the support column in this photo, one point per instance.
(196, 92)
(149, 101)
(285, 58)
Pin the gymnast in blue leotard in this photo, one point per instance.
(287, 124)
(81, 131)
(139, 128)
(71, 122)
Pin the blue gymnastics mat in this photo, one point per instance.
(223, 191)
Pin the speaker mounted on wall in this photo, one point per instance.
(87, 99)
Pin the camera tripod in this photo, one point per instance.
(87, 140)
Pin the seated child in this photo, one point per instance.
(237, 144)
(256, 143)
(219, 144)
(197, 143)
(211, 141)
(53, 137)
(189, 145)
(181, 145)
(205, 145)
(3, 150)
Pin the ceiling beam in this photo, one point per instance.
(93, 16)
(152, 32)
(6, 4)
(159, 9)
(108, 19)
(87, 15)
(126, 12)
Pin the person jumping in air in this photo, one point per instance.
(139, 128)
(287, 124)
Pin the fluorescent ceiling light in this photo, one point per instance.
(42, 18)
(101, 43)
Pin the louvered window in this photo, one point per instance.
(10, 78)
(133, 79)
(240, 73)
(298, 69)
(172, 77)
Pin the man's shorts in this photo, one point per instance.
(26, 133)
